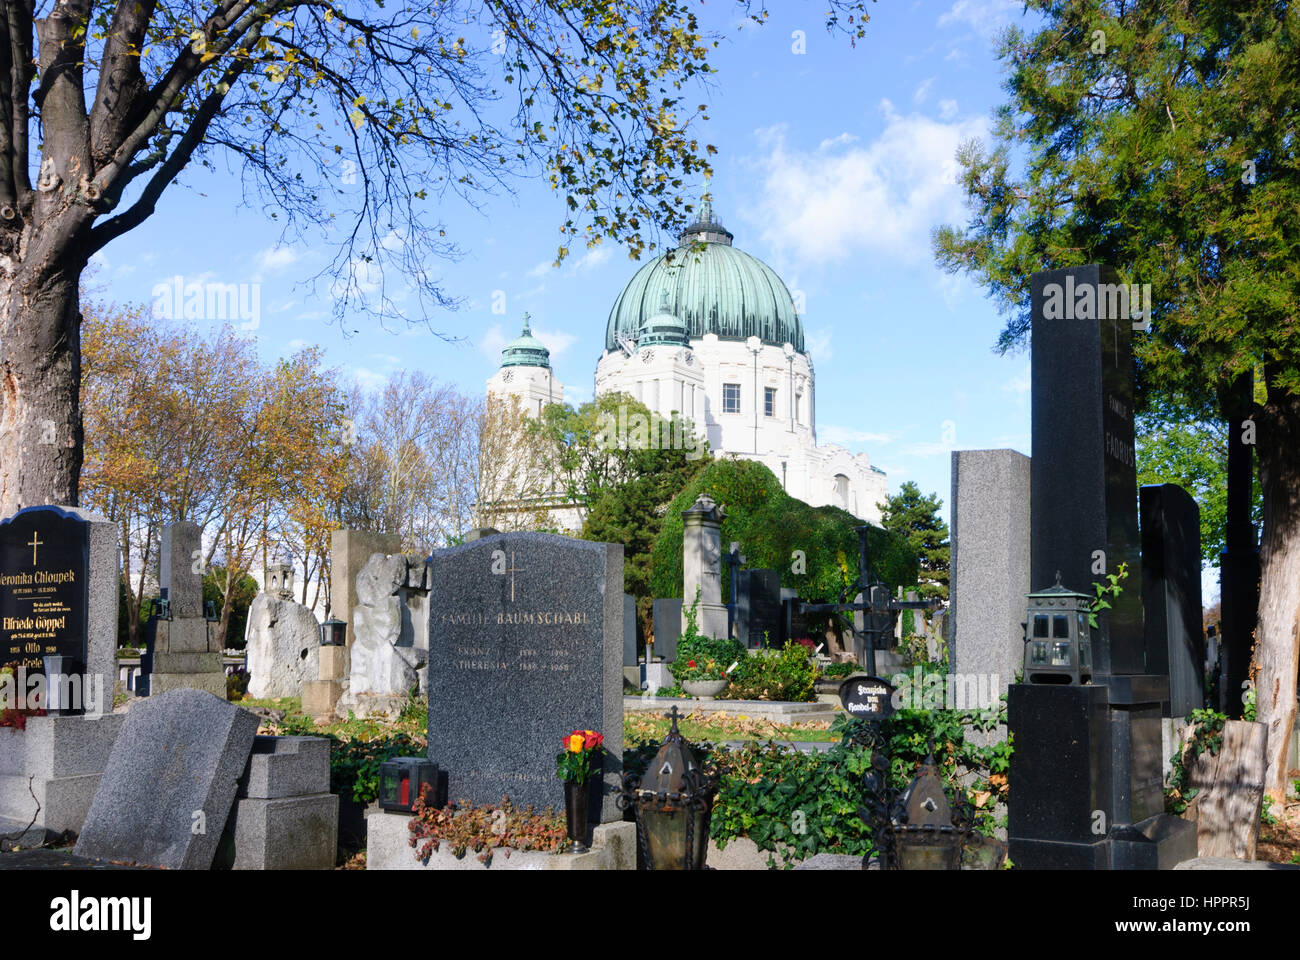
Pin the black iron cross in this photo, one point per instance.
(878, 608)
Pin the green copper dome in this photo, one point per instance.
(526, 350)
(719, 289)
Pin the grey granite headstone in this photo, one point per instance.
(990, 563)
(629, 630)
(178, 569)
(668, 627)
(525, 645)
(1171, 594)
(164, 797)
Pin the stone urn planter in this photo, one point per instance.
(704, 689)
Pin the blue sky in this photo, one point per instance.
(833, 166)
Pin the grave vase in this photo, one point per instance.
(576, 796)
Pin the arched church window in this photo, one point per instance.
(841, 491)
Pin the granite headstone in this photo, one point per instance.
(1084, 471)
(44, 584)
(794, 622)
(525, 645)
(1171, 585)
(170, 781)
(629, 630)
(990, 564)
(758, 608)
(668, 627)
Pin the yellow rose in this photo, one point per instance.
(575, 743)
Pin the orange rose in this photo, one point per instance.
(573, 743)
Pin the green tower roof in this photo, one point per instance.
(526, 350)
(719, 289)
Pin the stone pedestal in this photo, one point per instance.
(349, 551)
(701, 566)
(320, 696)
(180, 657)
(1083, 792)
(60, 760)
(284, 817)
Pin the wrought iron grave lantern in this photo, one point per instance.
(333, 632)
(1058, 638)
(403, 779)
(928, 831)
(673, 801)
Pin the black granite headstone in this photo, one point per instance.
(794, 623)
(1085, 777)
(525, 646)
(1171, 594)
(1084, 473)
(668, 627)
(44, 584)
(758, 608)
(629, 630)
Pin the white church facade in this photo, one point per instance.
(710, 332)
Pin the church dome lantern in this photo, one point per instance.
(526, 350)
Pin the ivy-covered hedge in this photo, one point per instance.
(771, 526)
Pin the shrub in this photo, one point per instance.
(835, 671)
(785, 674)
(237, 684)
(354, 764)
(700, 657)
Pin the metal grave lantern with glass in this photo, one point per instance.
(1058, 638)
(403, 779)
(333, 632)
(673, 801)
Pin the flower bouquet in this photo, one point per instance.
(581, 757)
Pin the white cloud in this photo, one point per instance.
(493, 342)
(818, 343)
(540, 269)
(275, 259)
(923, 91)
(849, 437)
(592, 258)
(367, 379)
(986, 17)
(296, 344)
(837, 141)
(1018, 386)
(947, 109)
(881, 197)
(556, 341)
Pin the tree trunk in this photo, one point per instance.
(40, 384)
(1277, 638)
